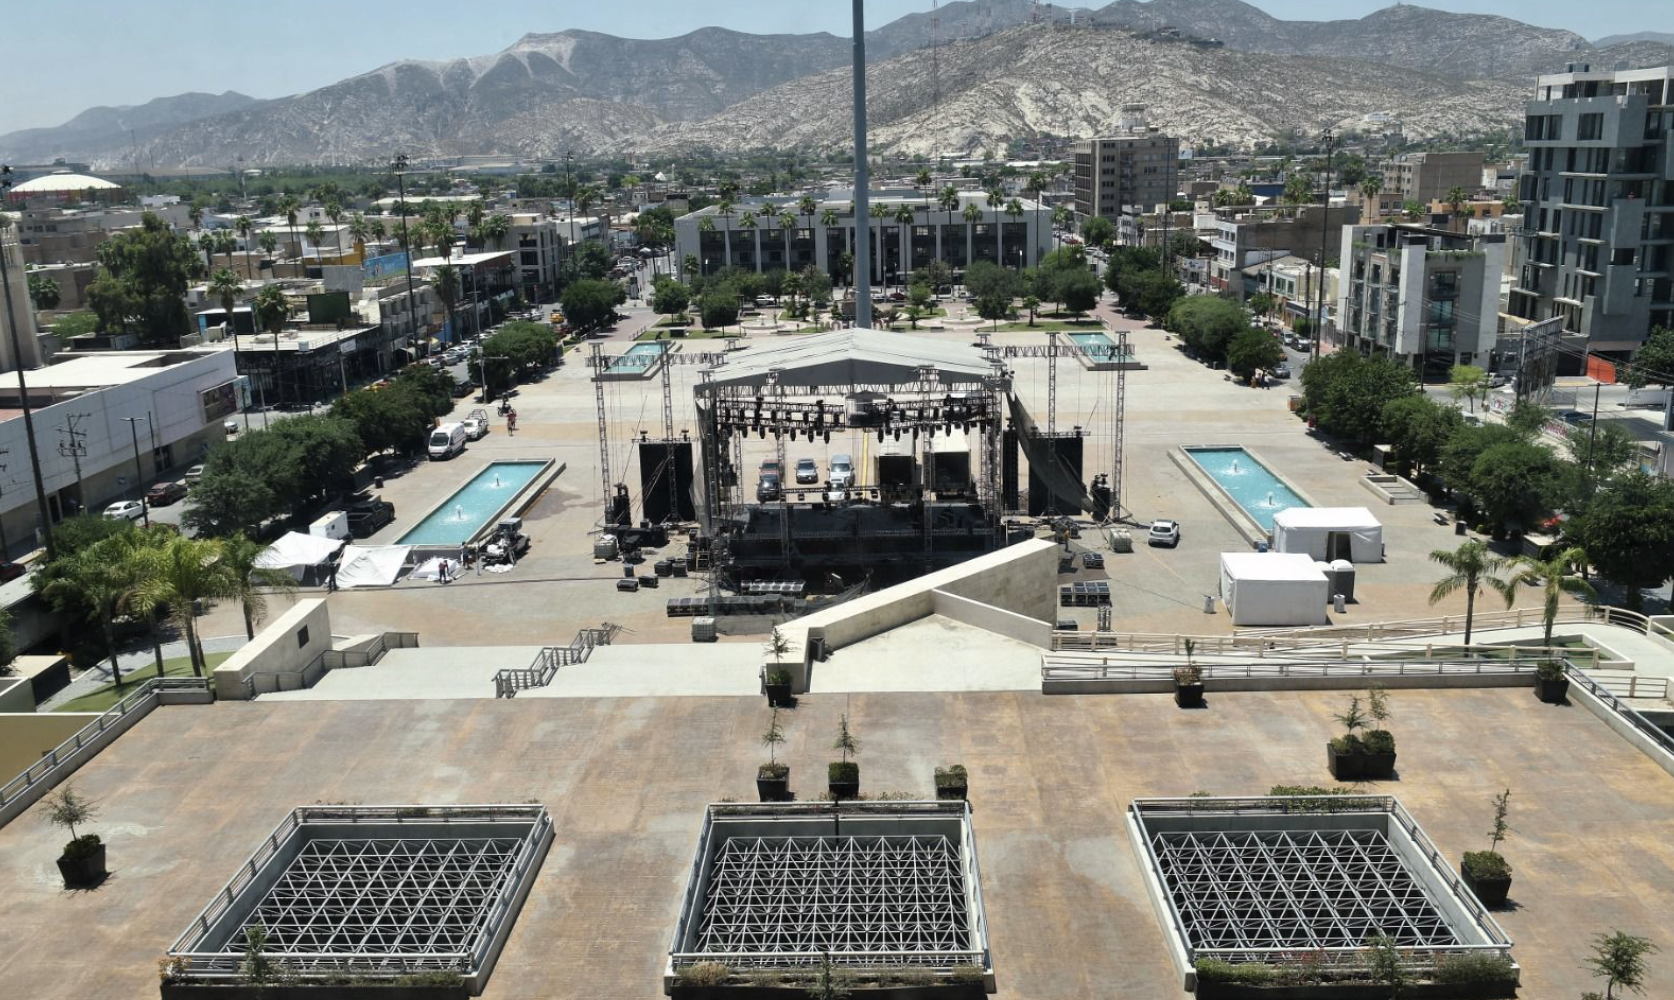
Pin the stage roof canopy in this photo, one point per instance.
(854, 357)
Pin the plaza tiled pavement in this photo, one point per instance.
(190, 791)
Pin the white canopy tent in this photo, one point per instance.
(1329, 533)
(297, 553)
(370, 566)
(855, 357)
(1273, 588)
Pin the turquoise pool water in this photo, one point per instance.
(1251, 484)
(638, 358)
(473, 504)
(1097, 345)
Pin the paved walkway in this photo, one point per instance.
(136, 664)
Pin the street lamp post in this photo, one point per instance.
(22, 386)
(400, 169)
(139, 470)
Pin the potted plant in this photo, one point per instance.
(773, 778)
(1188, 686)
(82, 862)
(1551, 684)
(1486, 872)
(1353, 757)
(952, 782)
(843, 777)
(779, 689)
(1379, 744)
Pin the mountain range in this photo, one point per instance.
(1209, 70)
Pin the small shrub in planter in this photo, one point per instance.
(1619, 959)
(773, 778)
(1486, 872)
(1188, 686)
(82, 862)
(952, 782)
(1551, 684)
(779, 688)
(1353, 757)
(1486, 970)
(843, 777)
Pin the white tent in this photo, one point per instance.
(371, 566)
(1309, 531)
(1272, 588)
(297, 552)
(854, 357)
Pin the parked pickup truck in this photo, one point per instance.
(366, 517)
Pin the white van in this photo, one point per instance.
(446, 441)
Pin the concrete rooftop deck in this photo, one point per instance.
(189, 792)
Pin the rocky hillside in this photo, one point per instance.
(1063, 81)
(102, 128)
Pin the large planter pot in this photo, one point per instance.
(779, 695)
(1377, 765)
(939, 991)
(1490, 890)
(1344, 766)
(1189, 695)
(954, 793)
(241, 991)
(844, 784)
(1493, 990)
(773, 788)
(83, 871)
(1553, 690)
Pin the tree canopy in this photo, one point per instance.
(588, 303)
(1628, 532)
(141, 286)
(1206, 324)
(1347, 393)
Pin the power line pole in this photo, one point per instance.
(400, 169)
(23, 387)
(5, 546)
(1324, 231)
(74, 449)
(862, 197)
(139, 473)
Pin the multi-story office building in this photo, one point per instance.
(1427, 177)
(1427, 297)
(1245, 236)
(1597, 243)
(1136, 168)
(752, 236)
(540, 242)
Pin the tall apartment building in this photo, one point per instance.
(1427, 177)
(1138, 167)
(1427, 297)
(1597, 243)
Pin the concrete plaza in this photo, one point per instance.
(190, 791)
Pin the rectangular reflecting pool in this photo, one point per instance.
(1251, 485)
(638, 358)
(1099, 346)
(473, 505)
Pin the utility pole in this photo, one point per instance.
(5, 547)
(569, 251)
(139, 474)
(74, 449)
(862, 199)
(22, 386)
(1324, 228)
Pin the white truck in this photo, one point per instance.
(446, 441)
(476, 425)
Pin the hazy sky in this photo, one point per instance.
(126, 52)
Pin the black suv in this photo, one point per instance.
(367, 517)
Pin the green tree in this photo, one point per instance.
(1153, 293)
(1602, 450)
(1078, 290)
(1206, 324)
(184, 575)
(1556, 576)
(43, 291)
(1253, 350)
(1469, 383)
(75, 324)
(670, 297)
(1418, 427)
(1465, 445)
(1347, 393)
(141, 285)
(251, 583)
(1299, 189)
(1628, 533)
(1031, 305)
(589, 303)
(1471, 567)
(718, 307)
(918, 302)
(272, 309)
(1653, 364)
(1619, 959)
(1261, 303)
(1098, 231)
(228, 502)
(1456, 197)
(1515, 484)
(89, 583)
(445, 279)
(225, 288)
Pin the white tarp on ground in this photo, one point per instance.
(1308, 530)
(296, 552)
(370, 566)
(1273, 588)
(857, 357)
(430, 569)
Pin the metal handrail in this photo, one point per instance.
(142, 698)
(511, 680)
(1627, 712)
(1051, 671)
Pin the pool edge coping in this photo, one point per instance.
(550, 469)
(1224, 501)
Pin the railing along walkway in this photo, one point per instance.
(545, 666)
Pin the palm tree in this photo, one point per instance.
(226, 242)
(828, 221)
(1036, 187)
(904, 218)
(806, 207)
(243, 226)
(358, 229)
(272, 309)
(879, 212)
(972, 216)
(267, 241)
(377, 229)
(1473, 568)
(1014, 211)
(1371, 187)
(787, 222)
(446, 281)
(497, 227)
(948, 199)
(1456, 197)
(924, 184)
(288, 207)
(226, 286)
(250, 580)
(724, 210)
(706, 227)
(316, 236)
(126, 553)
(334, 212)
(94, 578)
(747, 222)
(1555, 576)
(995, 201)
(181, 574)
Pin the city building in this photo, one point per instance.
(61, 187)
(22, 310)
(1293, 285)
(1136, 167)
(1426, 297)
(1018, 240)
(1247, 235)
(540, 240)
(181, 399)
(482, 276)
(1598, 206)
(1427, 177)
(54, 235)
